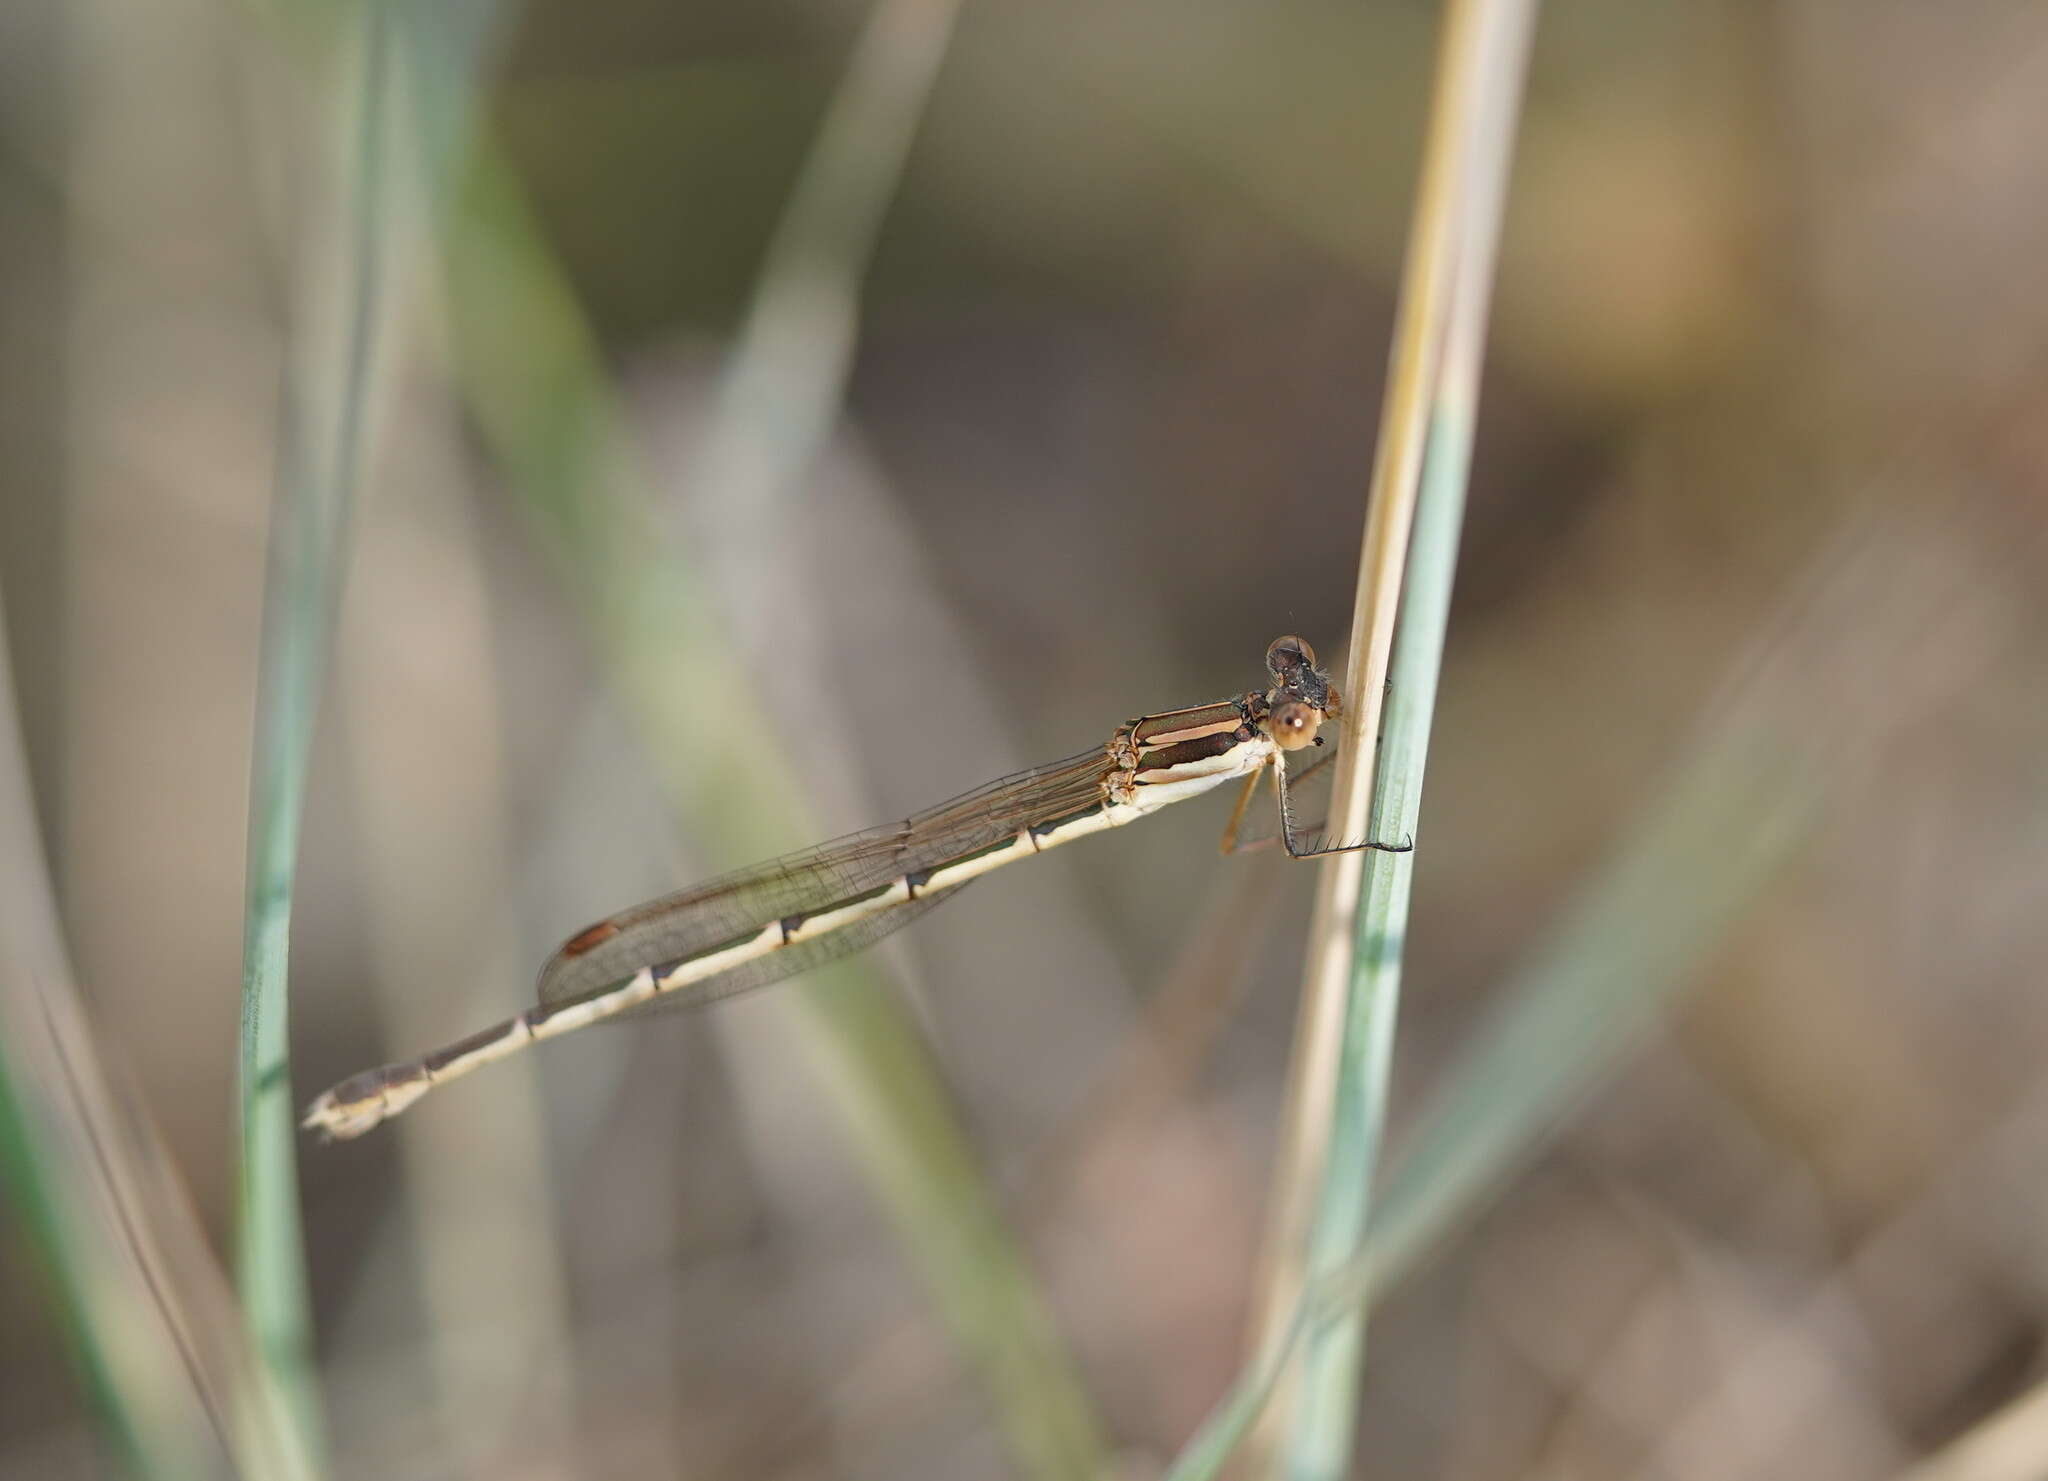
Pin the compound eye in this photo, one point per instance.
(1289, 655)
(1293, 724)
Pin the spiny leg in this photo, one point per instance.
(1230, 845)
(1319, 849)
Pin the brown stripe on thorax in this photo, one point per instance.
(1201, 748)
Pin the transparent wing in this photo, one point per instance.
(736, 906)
(788, 961)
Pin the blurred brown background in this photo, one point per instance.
(1772, 276)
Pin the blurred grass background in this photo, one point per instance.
(1770, 284)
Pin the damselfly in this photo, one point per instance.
(765, 923)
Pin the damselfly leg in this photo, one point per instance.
(1321, 847)
(1290, 834)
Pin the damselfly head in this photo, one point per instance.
(1288, 656)
(1297, 681)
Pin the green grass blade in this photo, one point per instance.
(1321, 1438)
(1352, 981)
(152, 1408)
(322, 444)
(159, 1345)
(785, 378)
